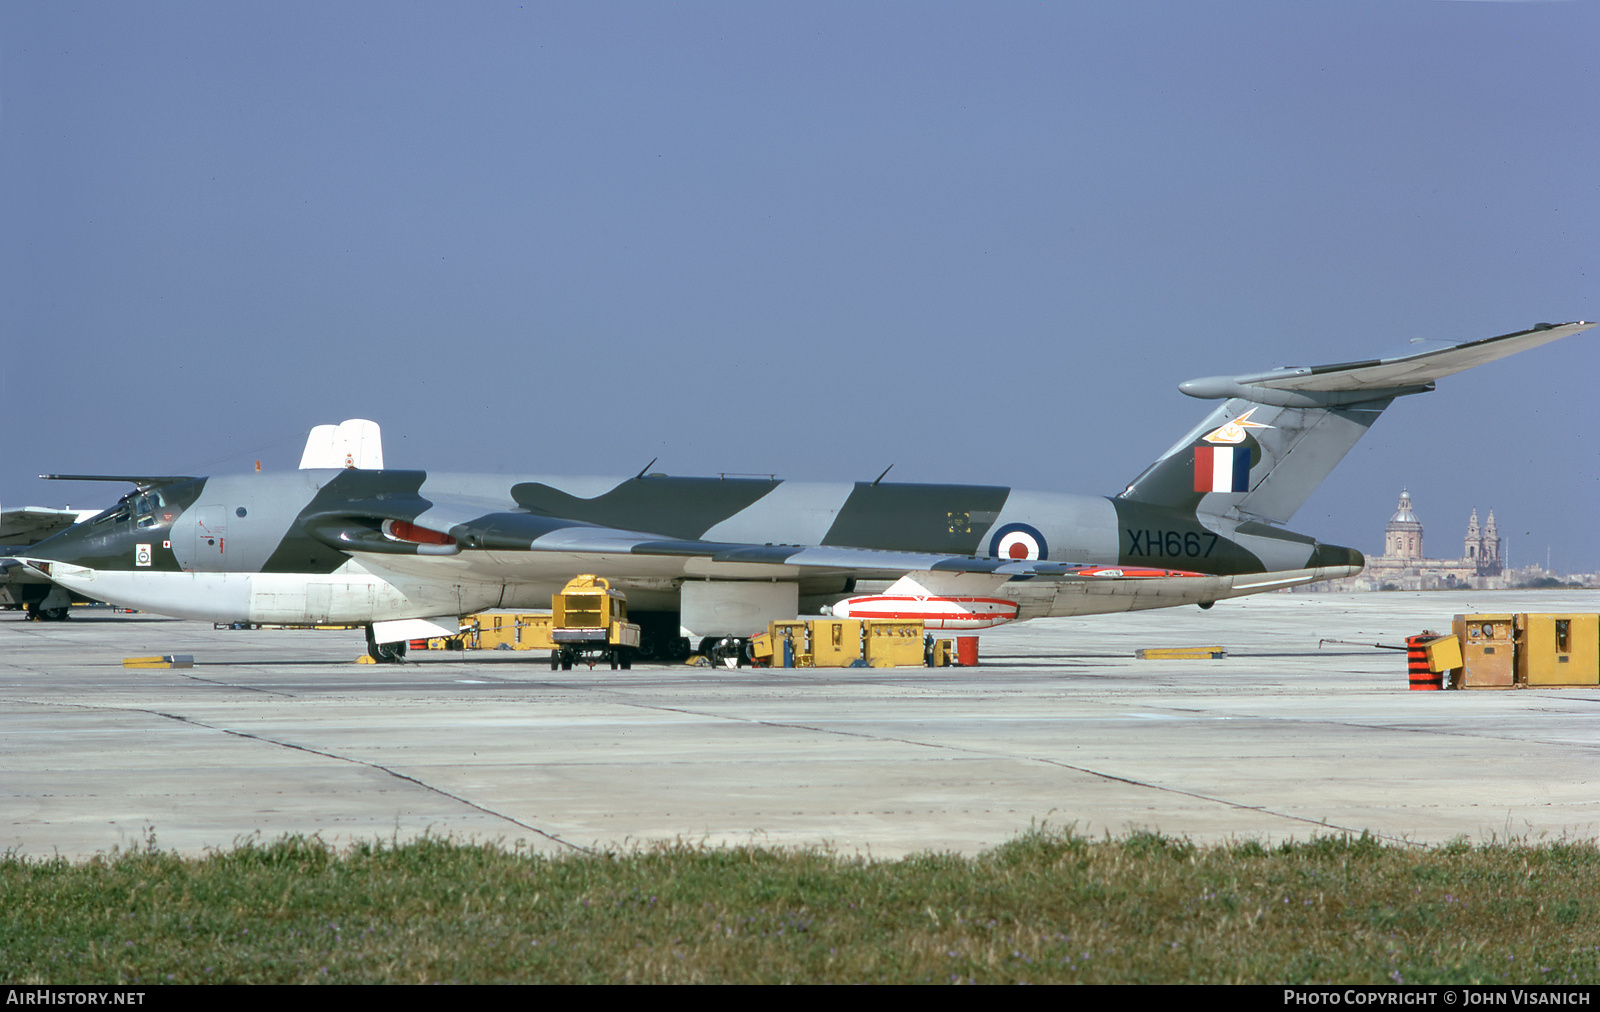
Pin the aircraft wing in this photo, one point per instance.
(29, 524)
(1417, 370)
(510, 532)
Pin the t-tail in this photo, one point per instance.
(1278, 434)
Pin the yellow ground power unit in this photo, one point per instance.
(835, 642)
(1487, 645)
(894, 643)
(1558, 649)
(788, 641)
(506, 630)
(589, 619)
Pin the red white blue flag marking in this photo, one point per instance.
(1222, 469)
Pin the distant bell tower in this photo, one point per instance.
(1489, 549)
(1402, 537)
(1474, 539)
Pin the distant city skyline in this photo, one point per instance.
(1506, 558)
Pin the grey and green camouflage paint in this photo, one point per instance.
(381, 545)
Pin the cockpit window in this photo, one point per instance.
(119, 513)
(141, 504)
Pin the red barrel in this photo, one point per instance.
(1422, 680)
(967, 651)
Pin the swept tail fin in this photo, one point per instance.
(1278, 434)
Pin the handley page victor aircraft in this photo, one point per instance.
(406, 552)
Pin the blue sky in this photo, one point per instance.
(979, 242)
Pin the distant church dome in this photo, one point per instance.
(1403, 515)
(1402, 536)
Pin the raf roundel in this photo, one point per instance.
(1018, 542)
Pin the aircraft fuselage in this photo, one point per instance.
(321, 545)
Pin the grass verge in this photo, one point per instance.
(1049, 906)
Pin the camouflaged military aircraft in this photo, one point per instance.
(344, 540)
(22, 586)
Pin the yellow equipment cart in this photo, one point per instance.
(589, 621)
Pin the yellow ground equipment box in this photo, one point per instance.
(942, 653)
(1444, 654)
(894, 643)
(789, 645)
(835, 642)
(506, 630)
(846, 643)
(1558, 649)
(1486, 651)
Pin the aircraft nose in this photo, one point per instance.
(42, 552)
(77, 545)
(56, 549)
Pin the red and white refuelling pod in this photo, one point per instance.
(935, 612)
(1132, 572)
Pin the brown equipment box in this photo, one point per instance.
(1487, 648)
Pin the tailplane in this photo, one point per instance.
(1278, 434)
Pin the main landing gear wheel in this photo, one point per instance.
(385, 653)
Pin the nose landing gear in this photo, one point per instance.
(728, 652)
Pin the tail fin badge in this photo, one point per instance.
(1019, 542)
(1233, 432)
(1222, 469)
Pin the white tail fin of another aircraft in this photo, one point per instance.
(354, 442)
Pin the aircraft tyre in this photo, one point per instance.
(385, 653)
